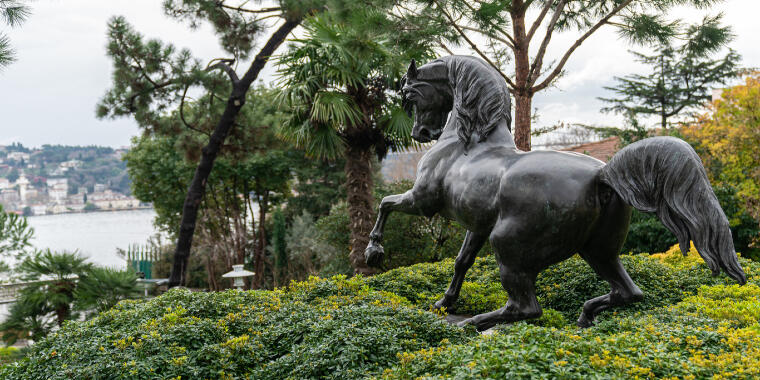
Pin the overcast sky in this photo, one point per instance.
(48, 95)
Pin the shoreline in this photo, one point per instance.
(93, 211)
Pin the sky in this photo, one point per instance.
(48, 95)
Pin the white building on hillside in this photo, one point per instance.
(58, 189)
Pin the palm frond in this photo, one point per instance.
(335, 108)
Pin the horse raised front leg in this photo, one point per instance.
(466, 257)
(400, 202)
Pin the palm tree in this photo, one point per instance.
(335, 85)
(46, 300)
(102, 288)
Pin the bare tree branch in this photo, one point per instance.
(558, 68)
(182, 113)
(225, 65)
(538, 62)
(247, 10)
(539, 20)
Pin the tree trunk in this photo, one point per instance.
(523, 96)
(359, 193)
(522, 121)
(261, 243)
(211, 150)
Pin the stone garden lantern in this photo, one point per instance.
(238, 273)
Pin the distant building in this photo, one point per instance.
(38, 209)
(4, 183)
(9, 196)
(23, 186)
(58, 189)
(17, 156)
(99, 188)
(601, 150)
(71, 164)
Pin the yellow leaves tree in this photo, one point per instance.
(728, 140)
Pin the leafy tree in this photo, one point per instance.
(255, 168)
(512, 40)
(680, 79)
(727, 140)
(318, 184)
(13, 175)
(13, 13)
(152, 77)
(335, 83)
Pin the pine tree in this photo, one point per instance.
(517, 46)
(13, 13)
(152, 77)
(680, 78)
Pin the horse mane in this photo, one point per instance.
(481, 97)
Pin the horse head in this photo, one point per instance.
(428, 98)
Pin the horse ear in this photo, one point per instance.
(411, 73)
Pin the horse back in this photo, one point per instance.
(553, 196)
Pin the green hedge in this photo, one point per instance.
(690, 324)
(321, 328)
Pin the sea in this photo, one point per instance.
(95, 235)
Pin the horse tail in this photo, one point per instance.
(665, 175)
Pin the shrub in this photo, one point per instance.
(423, 284)
(327, 328)
(736, 304)
(656, 344)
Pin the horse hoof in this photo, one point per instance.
(468, 321)
(444, 304)
(584, 321)
(373, 255)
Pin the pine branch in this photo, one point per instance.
(472, 44)
(569, 52)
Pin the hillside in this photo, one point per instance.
(38, 179)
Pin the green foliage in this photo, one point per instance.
(90, 207)
(15, 235)
(9, 355)
(656, 344)
(331, 328)
(379, 327)
(278, 240)
(334, 83)
(308, 253)
(12, 13)
(56, 282)
(318, 185)
(48, 296)
(100, 289)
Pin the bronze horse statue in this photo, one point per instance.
(541, 207)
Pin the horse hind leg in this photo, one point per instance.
(623, 290)
(522, 303)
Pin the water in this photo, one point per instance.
(95, 235)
